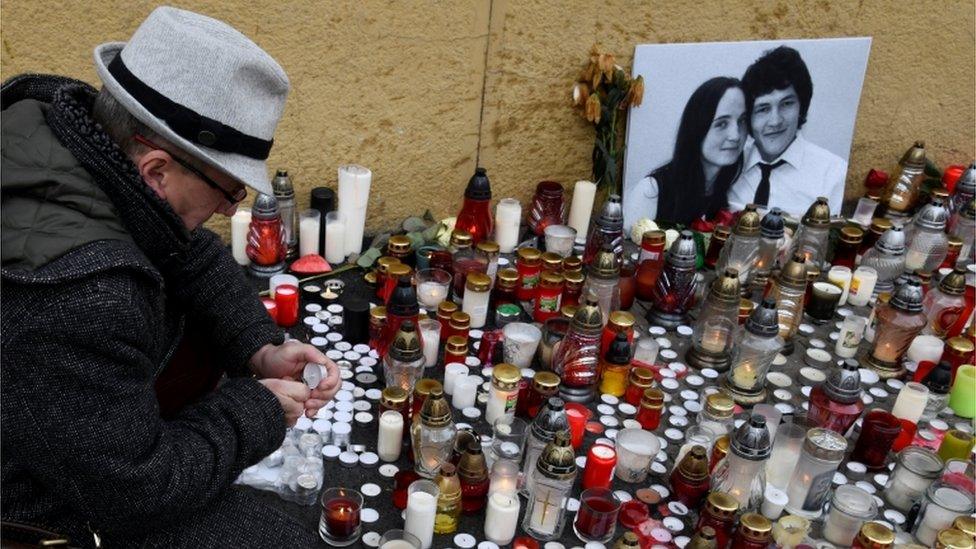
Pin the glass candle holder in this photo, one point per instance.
(596, 519)
(560, 239)
(548, 207)
(421, 510)
(823, 301)
(941, 505)
(553, 331)
(399, 539)
(508, 434)
(433, 286)
(915, 470)
(878, 431)
(635, 450)
(956, 444)
(339, 525)
(335, 237)
(962, 397)
(430, 334)
(786, 451)
(849, 509)
(521, 342)
(823, 450)
(862, 286)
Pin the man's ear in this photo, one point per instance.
(156, 167)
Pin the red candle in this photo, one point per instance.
(271, 307)
(286, 298)
(632, 513)
(600, 462)
(578, 415)
(341, 516)
(878, 431)
(597, 516)
(524, 542)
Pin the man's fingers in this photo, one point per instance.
(295, 390)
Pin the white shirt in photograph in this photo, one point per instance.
(640, 201)
(809, 171)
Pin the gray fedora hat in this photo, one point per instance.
(203, 86)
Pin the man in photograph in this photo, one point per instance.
(781, 168)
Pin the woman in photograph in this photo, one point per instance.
(707, 159)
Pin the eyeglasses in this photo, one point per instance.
(234, 198)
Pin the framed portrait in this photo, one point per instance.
(725, 124)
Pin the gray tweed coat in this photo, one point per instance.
(99, 279)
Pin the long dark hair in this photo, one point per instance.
(681, 182)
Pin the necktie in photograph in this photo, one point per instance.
(762, 192)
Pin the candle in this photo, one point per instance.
(582, 207)
(354, 184)
(430, 334)
(962, 397)
(279, 280)
(239, 224)
(841, 276)
(308, 233)
(286, 300)
(908, 408)
(600, 462)
(390, 438)
(271, 307)
(340, 521)
(862, 286)
(546, 511)
(941, 506)
(504, 477)
(597, 516)
(430, 293)
(465, 391)
(956, 445)
(508, 218)
(335, 237)
(774, 501)
(925, 348)
(421, 510)
(577, 415)
(715, 339)
(453, 372)
(399, 544)
(851, 334)
(501, 519)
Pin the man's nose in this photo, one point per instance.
(775, 117)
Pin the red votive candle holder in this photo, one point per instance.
(578, 415)
(286, 298)
(879, 429)
(402, 481)
(600, 462)
(340, 523)
(632, 513)
(524, 542)
(271, 307)
(597, 516)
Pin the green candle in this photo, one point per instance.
(962, 399)
(956, 445)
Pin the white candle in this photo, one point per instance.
(773, 502)
(390, 438)
(419, 520)
(579, 212)
(862, 286)
(465, 392)
(354, 184)
(910, 402)
(851, 333)
(936, 517)
(715, 339)
(452, 372)
(335, 238)
(239, 224)
(501, 518)
(925, 347)
(308, 233)
(840, 276)
(397, 544)
(545, 512)
(508, 217)
(504, 477)
(430, 334)
(430, 294)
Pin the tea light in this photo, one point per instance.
(774, 501)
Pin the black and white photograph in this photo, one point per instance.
(725, 124)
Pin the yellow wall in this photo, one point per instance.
(422, 90)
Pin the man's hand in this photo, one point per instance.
(287, 361)
(292, 395)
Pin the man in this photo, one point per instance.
(106, 268)
(782, 169)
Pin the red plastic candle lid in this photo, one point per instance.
(525, 542)
(632, 513)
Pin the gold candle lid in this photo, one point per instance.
(641, 376)
(506, 377)
(965, 523)
(818, 215)
(721, 446)
(436, 412)
(588, 318)
(694, 464)
(399, 243)
(852, 235)
(725, 288)
(472, 466)
(574, 278)
(953, 283)
(652, 398)
(424, 386)
(393, 397)
(383, 263)
(704, 538)
(874, 535)
(456, 345)
(721, 233)
(621, 320)
(529, 256)
(478, 282)
(881, 224)
(749, 221)
(568, 311)
(377, 313)
(722, 504)
(488, 247)
(653, 237)
(446, 309)
(448, 483)
(627, 541)
(398, 271)
(552, 261)
(461, 238)
(545, 381)
(940, 192)
(369, 278)
(720, 405)
(573, 264)
(955, 243)
(952, 538)
(795, 272)
(507, 277)
(914, 156)
(550, 279)
(558, 460)
(755, 526)
(460, 320)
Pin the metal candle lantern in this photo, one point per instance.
(965, 189)
(741, 250)
(603, 280)
(788, 290)
(742, 473)
(608, 229)
(674, 293)
(555, 472)
(887, 257)
(266, 246)
(771, 230)
(717, 324)
(811, 238)
(898, 323)
(905, 183)
(577, 358)
(929, 243)
(758, 346)
(284, 192)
